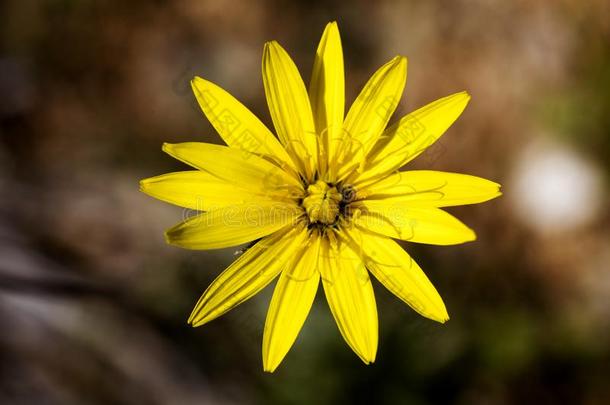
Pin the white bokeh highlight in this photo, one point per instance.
(553, 188)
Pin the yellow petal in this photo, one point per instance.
(404, 221)
(198, 190)
(232, 225)
(327, 92)
(370, 113)
(237, 125)
(432, 188)
(247, 275)
(350, 296)
(399, 273)
(291, 302)
(289, 107)
(412, 134)
(231, 165)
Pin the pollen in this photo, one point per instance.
(322, 203)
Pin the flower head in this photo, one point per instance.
(323, 201)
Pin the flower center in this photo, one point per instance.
(322, 203)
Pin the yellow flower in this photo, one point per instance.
(323, 202)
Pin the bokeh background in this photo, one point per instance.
(93, 304)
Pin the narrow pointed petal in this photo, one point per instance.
(399, 273)
(404, 221)
(432, 188)
(249, 274)
(231, 165)
(350, 296)
(289, 107)
(370, 113)
(291, 302)
(199, 191)
(413, 134)
(327, 92)
(232, 225)
(237, 125)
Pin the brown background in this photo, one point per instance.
(93, 303)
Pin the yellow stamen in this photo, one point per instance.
(322, 202)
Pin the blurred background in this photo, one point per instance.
(94, 304)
